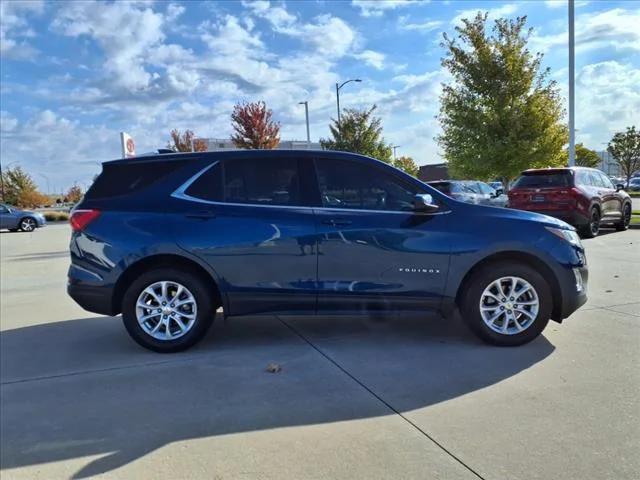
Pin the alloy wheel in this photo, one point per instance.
(28, 225)
(509, 305)
(166, 310)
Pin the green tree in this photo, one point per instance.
(586, 157)
(19, 188)
(501, 114)
(406, 164)
(360, 132)
(624, 147)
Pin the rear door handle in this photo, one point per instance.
(202, 215)
(337, 222)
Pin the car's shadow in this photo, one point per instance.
(82, 387)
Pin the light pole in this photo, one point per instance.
(572, 102)
(338, 87)
(47, 179)
(394, 150)
(306, 114)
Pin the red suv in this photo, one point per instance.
(582, 197)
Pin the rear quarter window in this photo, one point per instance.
(126, 178)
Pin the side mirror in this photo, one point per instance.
(619, 186)
(423, 202)
(499, 191)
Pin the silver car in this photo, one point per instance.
(471, 191)
(14, 219)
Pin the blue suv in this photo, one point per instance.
(168, 239)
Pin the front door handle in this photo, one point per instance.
(336, 222)
(202, 215)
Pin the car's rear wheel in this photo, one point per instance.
(592, 229)
(507, 303)
(28, 224)
(623, 224)
(167, 310)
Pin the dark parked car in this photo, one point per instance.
(583, 197)
(14, 219)
(166, 240)
(471, 191)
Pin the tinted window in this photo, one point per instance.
(209, 185)
(606, 183)
(596, 181)
(124, 178)
(262, 181)
(541, 180)
(345, 184)
(444, 187)
(3, 209)
(583, 178)
(486, 189)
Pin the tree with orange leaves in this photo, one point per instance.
(186, 142)
(253, 126)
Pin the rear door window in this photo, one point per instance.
(209, 185)
(264, 181)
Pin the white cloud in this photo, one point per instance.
(494, 13)
(15, 29)
(555, 4)
(424, 26)
(376, 8)
(371, 58)
(607, 100)
(615, 29)
(125, 33)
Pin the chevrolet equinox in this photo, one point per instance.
(168, 239)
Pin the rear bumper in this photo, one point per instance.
(572, 216)
(86, 289)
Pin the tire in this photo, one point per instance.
(177, 338)
(531, 325)
(592, 229)
(28, 224)
(626, 218)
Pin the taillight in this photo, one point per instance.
(81, 218)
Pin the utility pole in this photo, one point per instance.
(306, 114)
(394, 150)
(572, 103)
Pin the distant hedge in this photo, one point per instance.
(56, 216)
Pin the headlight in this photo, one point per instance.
(570, 236)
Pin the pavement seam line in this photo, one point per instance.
(381, 400)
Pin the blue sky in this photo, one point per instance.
(75, 74)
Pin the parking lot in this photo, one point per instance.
(356, 398)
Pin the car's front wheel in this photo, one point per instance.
(28, 224)
(507, 303)
(624, 222)
(167, 310)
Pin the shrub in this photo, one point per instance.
(56, 216)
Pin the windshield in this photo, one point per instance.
(541, 180)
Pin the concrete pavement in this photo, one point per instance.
(356, 398)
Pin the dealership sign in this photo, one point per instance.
(128, 145)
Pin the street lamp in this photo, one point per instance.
(394, 150)
(47, 179)
(306, 114)
(572, 101)
(338, 87)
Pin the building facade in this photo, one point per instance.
(225, 144)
